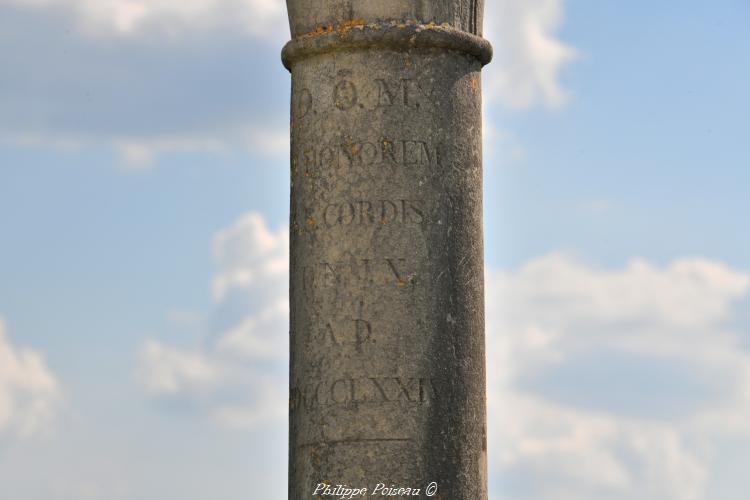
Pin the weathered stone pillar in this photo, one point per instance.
(387, 381)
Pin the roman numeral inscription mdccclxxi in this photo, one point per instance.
(370, 390)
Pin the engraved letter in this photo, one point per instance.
(403, 389)
(344, 95)
(304, 103)
(399, 279)
(385, 97)
(346, 393)
(365, 212)
(380, 390)
(362, 331)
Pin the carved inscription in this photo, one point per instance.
(368, 95)
(393, 271)
(366, 212)
(369, 153)
(355, 332)
(344, 95)
(377, 390)
(331, 164)
(382, 93)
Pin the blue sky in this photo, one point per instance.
(143, 203)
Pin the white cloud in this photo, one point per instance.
(145, 78)
(172, 18)
(29, 392)
(687, 293)
(614, 383)
(602, 383)
(162, 96)
(232, 392)
(250, 256)
(144, 152)
(239, 376)
(170, 371)
(528, 55)
(140, 154)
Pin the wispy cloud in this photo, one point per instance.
(143, 153)
(529, 55)
(152, 78)
(238, 376)
(170, 18)
(145, 79)
(29, 392)
(614, 383)
(602, 382)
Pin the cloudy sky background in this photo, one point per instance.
(143, 249)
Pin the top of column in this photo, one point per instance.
(309, 16)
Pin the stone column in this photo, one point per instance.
(387, 380)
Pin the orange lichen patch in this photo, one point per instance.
(400, 283)
(475, 82)
(320, 30)
(310, 221)
(342, 28)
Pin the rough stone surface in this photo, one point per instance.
(387, 381)
(309, 15)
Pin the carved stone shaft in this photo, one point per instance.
(387, 380)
